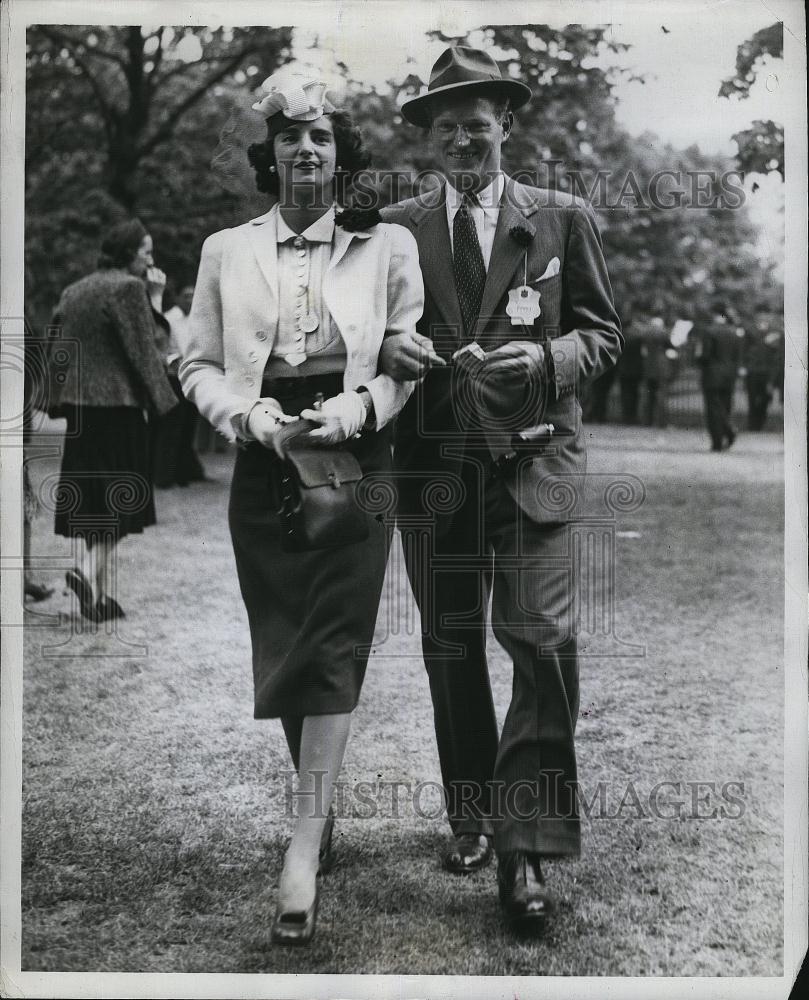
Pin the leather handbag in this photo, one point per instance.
(318, 499)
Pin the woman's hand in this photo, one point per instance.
(264, 422)
(155, 286)
(340, 418)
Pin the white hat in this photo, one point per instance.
(300, 98)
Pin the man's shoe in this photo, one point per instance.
(468, 853)
(525, 900)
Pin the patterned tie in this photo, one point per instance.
(467, 264)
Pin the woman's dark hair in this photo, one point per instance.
(119, 246)
(352, 156)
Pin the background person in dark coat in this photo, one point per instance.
(760, 363)
(108, 330)
(175, 461)
(630, 371)
(658, 370)
(719, 355)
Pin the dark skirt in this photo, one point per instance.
(105, 486)
(311, 614)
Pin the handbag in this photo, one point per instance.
(318, 499)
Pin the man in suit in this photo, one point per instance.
(720, 357)
(516, 276)
(760, 362)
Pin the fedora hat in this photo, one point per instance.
(462, 68)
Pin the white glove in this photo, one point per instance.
(340, 418)
(264, 419)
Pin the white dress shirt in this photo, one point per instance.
(484, 214)
(302, 264)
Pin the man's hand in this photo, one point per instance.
(516, 361)
(408, 356)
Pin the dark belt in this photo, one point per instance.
(285, 386)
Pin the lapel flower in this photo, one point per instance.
(521, 235)
(357, 220)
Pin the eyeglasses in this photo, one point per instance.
(473, 130)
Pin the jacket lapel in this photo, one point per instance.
(435, 253)
(507, 254)
(342, 241)
(263, 239)
(336, 293)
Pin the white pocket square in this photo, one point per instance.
(550, 271)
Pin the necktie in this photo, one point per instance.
(467, 264)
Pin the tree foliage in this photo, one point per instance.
(761, 147)
(768, 41)
(123, 120)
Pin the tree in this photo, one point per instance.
(138, 84)
(124, 120)
(768, 41)
(761, 147)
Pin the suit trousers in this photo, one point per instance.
(521, 788)
(718, 396)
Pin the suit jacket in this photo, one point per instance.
(720, 355)
(372, 287)
(106, 355)
(577, 318)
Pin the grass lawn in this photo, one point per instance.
(154, 805)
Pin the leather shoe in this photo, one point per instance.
(468, 853)
(295, 927)
(107, 609)
(38, 591)
(521, 887)
(83, 590)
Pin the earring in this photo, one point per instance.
(271, 169)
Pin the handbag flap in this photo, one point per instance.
(324, 466)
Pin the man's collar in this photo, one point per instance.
(321, 231)
(489, 197)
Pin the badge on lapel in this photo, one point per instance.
(523, 302)
(523, 305)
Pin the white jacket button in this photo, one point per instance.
(261, 335)
(249, 380)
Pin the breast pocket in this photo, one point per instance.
(550, 305)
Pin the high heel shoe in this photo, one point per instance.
(295, 927)
(325, 855)
(83, 590)
(108, 609)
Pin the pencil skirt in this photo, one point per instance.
(312, 614)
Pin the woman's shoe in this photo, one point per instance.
(325, 856)
(107, 609)
(81, 587)
(295, 927)
(38, 591)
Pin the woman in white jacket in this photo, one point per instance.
(290, 307)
